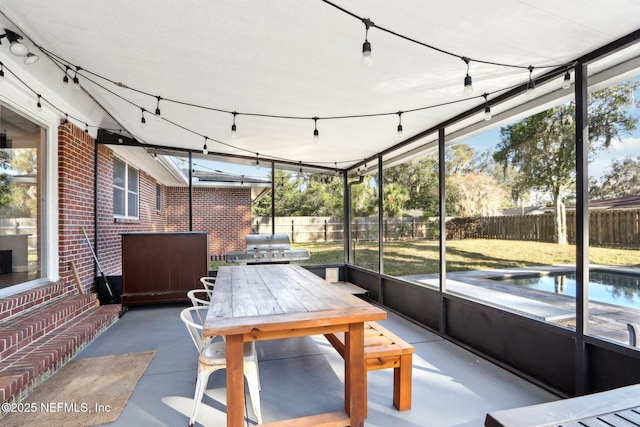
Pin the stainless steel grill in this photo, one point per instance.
(267, 248)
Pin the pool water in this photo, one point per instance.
(604, 286)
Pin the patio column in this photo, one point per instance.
(380, 223)
(190, 191)
(582, 226)
(442, 262)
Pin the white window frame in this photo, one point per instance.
(127, 191)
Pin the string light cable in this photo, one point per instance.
(83, 72)
(234, 113)
(276, 159)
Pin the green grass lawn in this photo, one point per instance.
(421, 256)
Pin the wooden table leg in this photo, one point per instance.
(355, 397)
(235, 381)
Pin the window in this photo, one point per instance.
(22, 199)
(125, 190)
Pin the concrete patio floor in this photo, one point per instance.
(303, 376)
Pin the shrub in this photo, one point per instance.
(463, 228)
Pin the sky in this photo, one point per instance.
(628, 146)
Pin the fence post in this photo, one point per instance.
(325, 230)
(293, 232)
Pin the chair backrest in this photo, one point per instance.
(194, 326)
(208, 283)
(194, 295)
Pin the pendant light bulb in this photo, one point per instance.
(487, 108)
(531, 89)
(205, 151)
(30, 58)
(316, 134)
(257, 161)
(366, 54)
(143, 121)
(367, 60)
(65, 79)
(566, 83)
(487, 113)
(1, 72)
(16, 47)
(531, 86)
(400, 131)
(158, 116)
(39, 104)
(76, 82)
(468, 84)
(233, 125)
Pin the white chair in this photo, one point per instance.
(199, 298)
(213, 357)
(208, 283)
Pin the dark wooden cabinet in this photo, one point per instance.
(162, 267)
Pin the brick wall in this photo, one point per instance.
(76, 207)
(109, 229)
(75, 203)
(224, 213)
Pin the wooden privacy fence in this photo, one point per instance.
(619, 227)
(331, 229)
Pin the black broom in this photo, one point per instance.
(113, 299)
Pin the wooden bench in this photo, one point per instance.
(382, 350)
(618, 407)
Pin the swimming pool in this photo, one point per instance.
(604, 286)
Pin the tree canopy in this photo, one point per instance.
(542, 149)
(622, 180)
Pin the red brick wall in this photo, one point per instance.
(224, 213)
(76, 208)
(109, 229)
(75, 203)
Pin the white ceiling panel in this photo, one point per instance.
(299, 59)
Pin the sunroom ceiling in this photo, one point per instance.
(300, 59)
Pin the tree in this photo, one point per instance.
(542, 147)
(394, 199)
(479, 194)
(420, 178)
(622, 180)
(303, 195)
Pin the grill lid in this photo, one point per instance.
(267, 248)
(267, 242)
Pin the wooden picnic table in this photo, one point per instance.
(265, 302)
